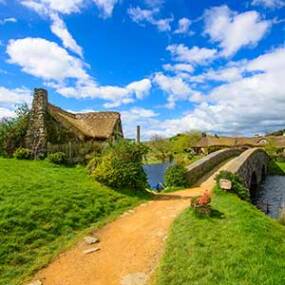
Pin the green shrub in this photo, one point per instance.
(57, 158)
(175, 176)
(121, 166)
(237, 184)
(93, 163)
(23, 153)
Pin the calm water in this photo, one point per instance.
(155, 173)
(271, 195)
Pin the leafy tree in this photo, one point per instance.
(13, 131)
(161, 148)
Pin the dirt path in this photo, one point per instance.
(130, 247)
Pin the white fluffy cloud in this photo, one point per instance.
(138, 116)
(142, 16)
(269, 3)
(234, 31)
(115, 95)
(179, 67)
(45, 59)
(183, 26)
(9, 98)
(106, 7)
(60, 6)
(56, 66)
(175, 87)
(58, 27)
(252, 104)
(182, 53)
(8, 20)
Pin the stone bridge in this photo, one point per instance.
(251, 166)
(201, 167)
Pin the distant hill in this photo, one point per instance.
(277, 133)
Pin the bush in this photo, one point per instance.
(175, 176)
(237, 184)
(121, 166)
(57, 158)
(23, 153)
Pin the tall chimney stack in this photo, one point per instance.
(138, 134)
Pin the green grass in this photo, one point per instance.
(244, 247)
(45, 208)
(276, 168)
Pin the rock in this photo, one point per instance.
(139, 278)
(91, 239)
(36, 282)
(91, 250)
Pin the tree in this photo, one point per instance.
(13, 131)
(161, 148)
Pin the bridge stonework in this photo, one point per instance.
(199, 168)
(251, 166)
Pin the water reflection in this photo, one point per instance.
(270, 196)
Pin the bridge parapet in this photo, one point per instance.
(251, 166)
(199, 168)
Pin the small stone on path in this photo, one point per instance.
(91, 250)
(37, 282)
(139, 278)
(91, 240)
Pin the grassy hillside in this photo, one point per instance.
(276, 168)
(44, 207)
(239, 246)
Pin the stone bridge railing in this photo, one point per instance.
(199, 168)
(251, 166)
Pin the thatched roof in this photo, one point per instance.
(210, 141)
(96, 125)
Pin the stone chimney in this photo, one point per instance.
(36, 138)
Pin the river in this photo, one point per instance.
(270, 196)
(155, 173)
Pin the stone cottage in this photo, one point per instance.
(51, 124)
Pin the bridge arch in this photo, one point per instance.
(251, 166)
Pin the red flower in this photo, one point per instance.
(205, 199)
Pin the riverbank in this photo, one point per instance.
(240, 245)
(276, 168)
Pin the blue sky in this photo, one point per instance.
(168, 65)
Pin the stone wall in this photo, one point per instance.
(36, 138)
(253, 161)
(201, 167)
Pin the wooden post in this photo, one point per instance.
(138, 134)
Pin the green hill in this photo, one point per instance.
(44, 207)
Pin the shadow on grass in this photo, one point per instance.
(214, 214)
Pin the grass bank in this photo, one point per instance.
(276, 168)
(239, 246)
(43, 208)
